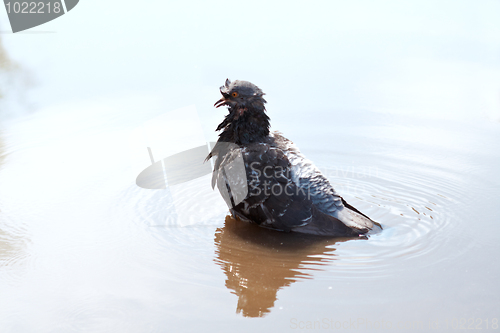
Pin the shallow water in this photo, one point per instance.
(83, 248)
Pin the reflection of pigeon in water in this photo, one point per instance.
(278, 188)
(258, 263)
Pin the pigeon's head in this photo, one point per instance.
(241, 96)
(247, 120)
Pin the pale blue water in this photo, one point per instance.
(397, 105)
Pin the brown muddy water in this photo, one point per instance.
(408, 132)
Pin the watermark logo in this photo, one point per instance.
(169, 155)
(175, 169)
(25, 15)
(190, 164)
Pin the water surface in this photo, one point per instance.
(85, 248)
(391, 116)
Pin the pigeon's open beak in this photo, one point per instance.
(220, 102)
(223, 100)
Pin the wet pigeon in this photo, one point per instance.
(266, 180)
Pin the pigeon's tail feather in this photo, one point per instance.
(326, 225)
(357, 220)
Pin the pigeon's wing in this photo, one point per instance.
(271, 198)
(322, 194)
(273, 185)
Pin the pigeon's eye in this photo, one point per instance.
(234, 94)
